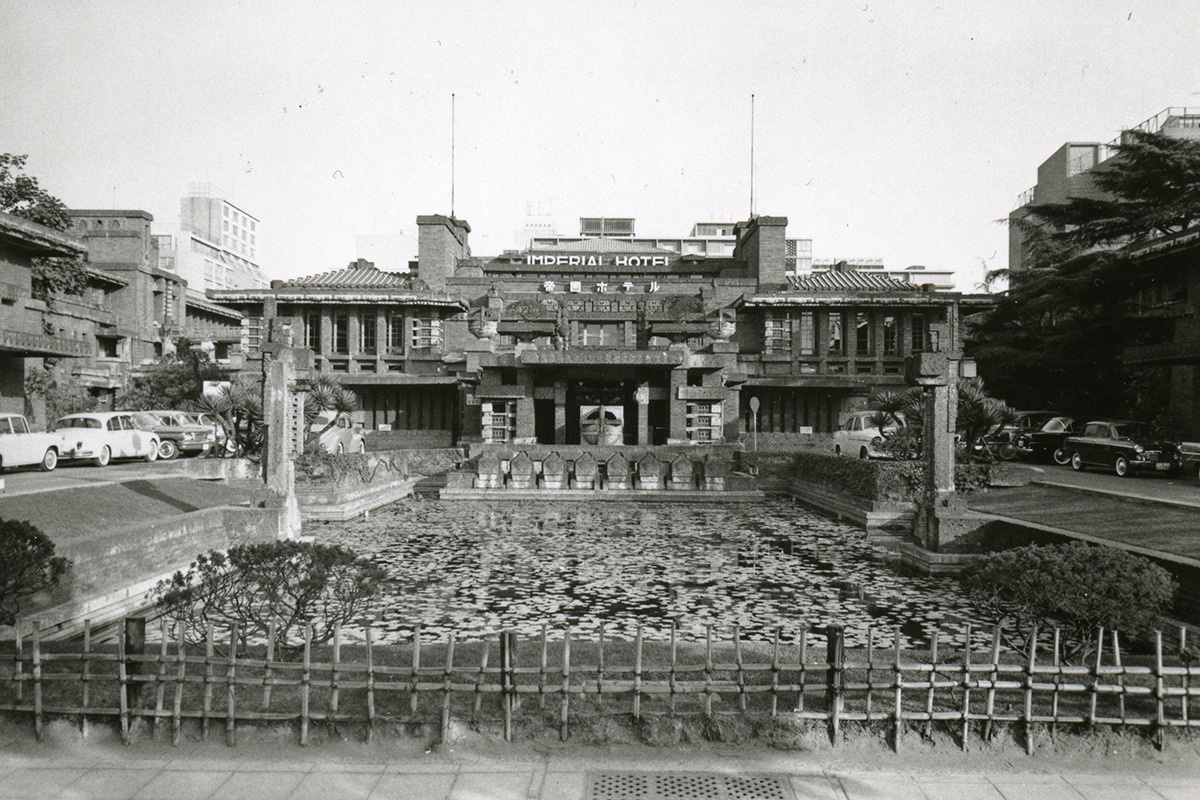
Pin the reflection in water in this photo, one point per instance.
(478, 568)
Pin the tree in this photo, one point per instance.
(27, 566)
(175, 381)
(1077, 587)
(239, 408)
(1057, 336)
(901, 415)
(282, 584)
(21, 195)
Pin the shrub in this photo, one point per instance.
(898, 481)
(1075, 586)
(317, 465)
(285, 583)
(27, 566)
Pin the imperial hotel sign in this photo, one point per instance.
(604, 340)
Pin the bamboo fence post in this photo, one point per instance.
(898, 688)
(160, 679)
(1094, 689)
(741, 673)
(1160, 717)
(483, 662)
(335, 675)
(966, 687)
(305, 683)
(1186, 681)
(637, 674)
(835, 658)
(993, 676)
(268, 667)
(1028, 710)
(506, 683)
(370, 654)
(870, 670)
(36, 673)
(180, 671)
(542, 670)
(208, 680)
(416, 667)
(1116, 644)
(803, 666)
(447, 677)
(122, 687)
(671, 674)
(566, 687)
(708, 670)
(775, 675)
(85, 670)
(230, 686)
(933, 674)
(1057, 682)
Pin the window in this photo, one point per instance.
(499, 420)
(253, 334)
(862, 334)
(312, 331)
(704, 422)
(395, 332)
(426, 332)
(600, 334)
(808, 336)
(107, 346)
(366, 333)
(890, 340)
(919, 339)
(837, 342)
(341, 332)
(18, 425)
(777, 334)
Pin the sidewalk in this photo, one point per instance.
(741, 777)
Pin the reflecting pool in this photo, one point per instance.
(477, 568)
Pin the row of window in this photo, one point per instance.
(422, 332)
(865, 330)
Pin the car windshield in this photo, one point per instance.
(1057, 425)
(78, 422)
(1131, 430)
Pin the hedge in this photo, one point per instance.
(896, 481)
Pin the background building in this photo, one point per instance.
(214, 246)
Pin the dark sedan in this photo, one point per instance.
(1123, 447)
(1047, 442)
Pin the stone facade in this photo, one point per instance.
(604, 342)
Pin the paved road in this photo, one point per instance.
(72, 475)
(1184, 489)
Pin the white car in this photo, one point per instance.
(859, 437)
(104, 435)
(342, 437)
(20, 446)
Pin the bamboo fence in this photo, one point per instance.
(814, 678)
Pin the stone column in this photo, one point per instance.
(284, 422)
(642, 396)
(560, 412)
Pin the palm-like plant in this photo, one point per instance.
(239, 408)
(326, 394)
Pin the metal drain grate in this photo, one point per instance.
(685, 786)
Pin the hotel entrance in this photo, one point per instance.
(626, 408)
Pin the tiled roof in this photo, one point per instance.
(837, 281)
(358, 278)
(600, 246)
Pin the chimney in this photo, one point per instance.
(441, 243)
(762, 245)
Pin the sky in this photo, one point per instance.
(897, 130)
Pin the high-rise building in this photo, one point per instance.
(214, 246)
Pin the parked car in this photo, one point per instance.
(20, 446)
(104, 435)
(1189, 454)
(859, 437)
(211, 420)
(1047, 442)
(177, 433)
(1122, 446)
(342, 436)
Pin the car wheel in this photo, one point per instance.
(1007, 451)
(104, 457)
(362, 446)
(863, 454)
(1077, 462)
(50, 460)
(341, 448)
(1062, 457)
(152, 453)
(167, 450)
(837, 449)
(1121, 466)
